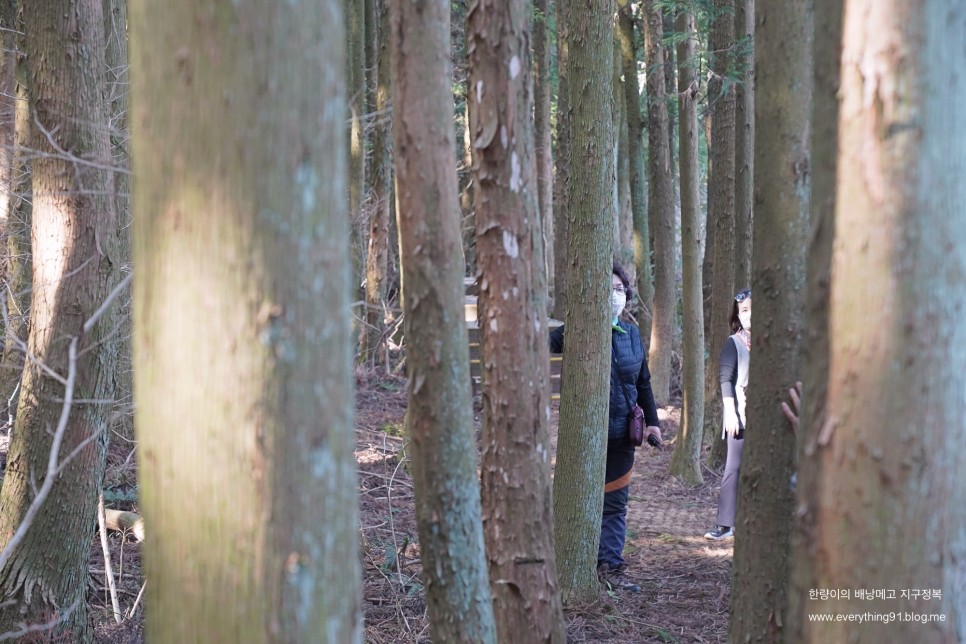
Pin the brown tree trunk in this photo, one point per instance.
(513, 329)
(721, 208)
(638, 179)
(670, 88)
(243, 345)
(686, 460)
(744, 143)
(373, 348)
(15, 203)
(541, 125)
(882, 466)
(661, 209)
(824, 148)
(439, 419)
(356, 94)
(765, 500)
(585, 388)
(561, 218)
(623, 212)
(75, 266)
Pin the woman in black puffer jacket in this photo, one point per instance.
(630, 385)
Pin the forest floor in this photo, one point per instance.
(685, 580)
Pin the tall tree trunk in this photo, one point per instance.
(377, 259)
(439, 419)
(561, 217)
(686, 460)
(75, 266)
(15, 203)
(242, 303)
(624, 239)
(355, 75)
(115, 33)
(661, 207)
(882, 466)
(721, 206)
(513, 329)
(765, 500)
(670, 87)
(584, 395)
(827, 48)
(638, 179)
(744, 142)
(541, 125)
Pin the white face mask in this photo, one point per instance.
(745, 319)
(617, 302)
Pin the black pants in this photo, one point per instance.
(613, 525)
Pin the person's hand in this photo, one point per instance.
(792, 412)
(653, 430)
(730, 418)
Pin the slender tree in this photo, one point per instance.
(439, 419)
(815, 348)
(661, 207)
(242, 321)
(513, 329)
(686, 460)
(561, 217)
(577, 497)
(765, 501)
(75, 268)
(881, 465)
(355, 75)
(637, 176)
(721, 205)
(542, 131)
(377, 259)
(744, 140)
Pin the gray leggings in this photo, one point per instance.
(728, 500)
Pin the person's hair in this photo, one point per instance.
(622, 274)
(733, 320)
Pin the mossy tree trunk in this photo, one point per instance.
(76, 265)
(721, 212)
(243, 349)
(562, 162)
(660, 205)
(765, 500)
(744, 140)
(882, 500)
(439, 419)
(15, 203)
(516, 483)
(585, 388)
(542, 95)
(686, 460)
(355, 75)
(805, 566)
(374, 344)
(638, 178)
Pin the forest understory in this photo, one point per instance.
(685, 579)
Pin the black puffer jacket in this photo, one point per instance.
(630, 379)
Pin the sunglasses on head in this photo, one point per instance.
(743, 295)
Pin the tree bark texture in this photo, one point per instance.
(439, 419)
(373, 348)
(15, 203)
(516, 482)
(561, 258)
(638, 179)
(765, 500)
(624, 239)
(882, 465)
(744, 141)
(815, 348)
(355, 75)
(542, 125)
(585, 387)
(686, 460)
(243, 349)
(721, 204)
(661, 210)
(75, 240)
